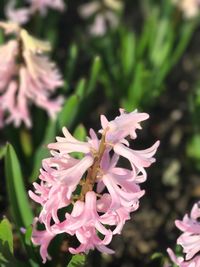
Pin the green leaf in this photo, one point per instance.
(156, 255)
(162, 42)
(69, 111)
(143, 39)
(29, 247)
(7, 258)
(2, 151)
(6, 239)
(193, 147)
(81, 88)
(128, 52)
(158, 259)
(42, 151)
(17, 194)
(77, 261)
(71, 62)
(1, 37)
(96, 66)
(183, 41)
(79, 133)
(26, 142)
(136, 89)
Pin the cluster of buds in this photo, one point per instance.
(190, 8)
(104, 13)
(22, 15)
(189, 239)
(99, 193)
(26, 76)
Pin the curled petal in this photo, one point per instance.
(140, 159)
(69, 144)
(43, 239)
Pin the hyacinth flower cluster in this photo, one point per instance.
(23, 14)
(26, 76)
(189, 239)
(104, 14)
(190, 8)
(100, 194)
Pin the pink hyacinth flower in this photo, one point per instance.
(42, 238)
(84, 221)
(26, 77)
(89, 240)
(189, 240)
(139, 159)
(18, 15)
(87, 217)
(100, 194)
(43, 5)
(101, 18)
(7, 64)
(123, 125)
(179, 261)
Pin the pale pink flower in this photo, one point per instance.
(101, 18)
(42, 71)
(120, 183)
(88, 9)
(124, 125)
(100, 194)
(18, 15)
(179, 261)
(139, 159)
(7, 64)
(26, 77)
(43, 5)
(70, 144)
(14, 100)
(22, 15)
(189, 240)
(89, 240)
(10, 27)
(99, 26)
(84, 221)
(42, 238)
(190, 226)
(87, 216)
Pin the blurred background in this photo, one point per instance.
(141, 54)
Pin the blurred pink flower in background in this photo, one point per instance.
(103, 13)
(43, 5)
(189, 240)
(108, 193)
(22, 15)
(18, 15)
(26, 76)
(190, 8)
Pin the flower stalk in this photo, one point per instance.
(94, 170)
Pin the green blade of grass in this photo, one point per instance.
(17, 194)
(77, 261)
